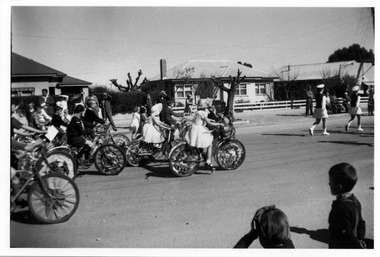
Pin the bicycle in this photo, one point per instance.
(109, 159)
(52, 198)
(228, 152)
(139, 151)
(40, 156)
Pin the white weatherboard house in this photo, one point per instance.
(186, 78)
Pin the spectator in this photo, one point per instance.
(62, 103)
(355, 110)
(328, 103)
(188, 104)
(135, 122)
(371, 102)
(320, 112)
(148, 100)
(309, 101)
(346, 102)
(346, 224)
(48, 101)
(105, 104)
(271, 226)
(335, 107)
(40, 117)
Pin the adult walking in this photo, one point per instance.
(356, 110)
(371, 102)
(105, 104)
(48, 100)
(309, 101)
(320, 112)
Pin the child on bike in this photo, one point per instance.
(346, 224)
(199, 135)
(270, 225)
(151, 129)
(75, 133)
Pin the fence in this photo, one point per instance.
(240, 107)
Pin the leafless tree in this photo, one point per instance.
(130, 85)
(234, 82)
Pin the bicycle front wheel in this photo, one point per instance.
(230, 154)
(60, 162)
(121, 140)
(53, 199)
(184, 160)
(109, 159)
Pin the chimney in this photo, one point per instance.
(163, 68)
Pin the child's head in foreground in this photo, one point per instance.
(342, 178)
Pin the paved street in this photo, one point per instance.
(145, 207)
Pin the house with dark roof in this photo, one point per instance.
(193, 76)
(29, 77)
(313, 74)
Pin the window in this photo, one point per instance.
(22, 91)
(181, 91)
(260, 89)
(241, 89)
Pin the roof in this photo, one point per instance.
(209, 68)
(22, 66)
(68, 81)
(319, 71)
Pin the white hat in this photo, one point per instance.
(156, 109)
(355, 88)
(43, 104)
(321, 86)
(202, 103)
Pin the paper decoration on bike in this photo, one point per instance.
(51, 133)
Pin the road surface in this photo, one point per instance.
(146, 207)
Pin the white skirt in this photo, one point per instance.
(151, 134)
(199, 136)
(355, 111)
(320, 113)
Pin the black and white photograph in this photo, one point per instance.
(188, 128)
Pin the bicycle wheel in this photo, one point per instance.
(121, 140)
(184, 160)
(230, 154)
(109, 159)
(131, 154)
(60, 161)
(53, 199)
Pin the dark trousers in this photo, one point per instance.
(309, 106)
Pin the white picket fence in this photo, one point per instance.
(239, 107)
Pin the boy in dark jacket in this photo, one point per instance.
(346, 224)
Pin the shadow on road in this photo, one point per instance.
(321, 235)
(285, 134)
(164, 171)
(24, 217)
(347, 143)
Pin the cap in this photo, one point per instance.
(43, 104)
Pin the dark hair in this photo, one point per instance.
(79, 108)
(44, 90)
(272, 226)
(345, 175)
(142, 109)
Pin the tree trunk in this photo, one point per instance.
(230, 105)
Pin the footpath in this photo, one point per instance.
(252, 118)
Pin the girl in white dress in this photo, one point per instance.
(198, 135)
(135, 122)
(320, 112)
(355, 110)
(151, 129)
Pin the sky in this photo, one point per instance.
(98, 43)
